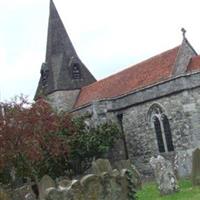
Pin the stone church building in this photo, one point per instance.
(156, 102)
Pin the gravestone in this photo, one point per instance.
(101, 165)
(92, 187)
(23, 193)
(126, 164)
(45, 183)
(183, 162)
(164, 175)
(112, 186)
(53, 194)
(196, 167)
(64, 183)
(77, 191)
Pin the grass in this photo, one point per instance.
(187, 192)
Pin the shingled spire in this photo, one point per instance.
(62, 70)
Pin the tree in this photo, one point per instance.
(35, 140)
(32, 137)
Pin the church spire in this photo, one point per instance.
(57, 38)
(63, 70)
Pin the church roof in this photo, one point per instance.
(194, 64)
(146, 73)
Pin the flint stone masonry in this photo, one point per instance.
(63, 100)
(182, 109)
(164, 175)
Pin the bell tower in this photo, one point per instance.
(63, 74)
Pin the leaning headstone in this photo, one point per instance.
(92, 187)
(45, 183)
(126, 164)
(101, 165)
(196, 167)
(164, 175)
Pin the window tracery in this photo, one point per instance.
(162, 128)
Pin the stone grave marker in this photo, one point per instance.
(92, 187)
(164, 175)
(45, 183)
(101, 165)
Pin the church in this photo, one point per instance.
(156, 102)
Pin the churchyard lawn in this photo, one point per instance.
(187, 192)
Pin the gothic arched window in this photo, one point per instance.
(162, 128)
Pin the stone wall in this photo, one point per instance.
(179, 98)
(63, 100)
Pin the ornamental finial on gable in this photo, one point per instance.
(183, 32)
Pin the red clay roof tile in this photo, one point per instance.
(151, 71)
(194, 64)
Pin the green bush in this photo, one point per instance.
(88, 144)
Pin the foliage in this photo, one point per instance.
(34, 140)
(30, 137)
(90, 143)
(187, 192)
(131, 186)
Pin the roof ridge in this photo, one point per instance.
(132, 66)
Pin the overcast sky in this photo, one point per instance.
(108, 35)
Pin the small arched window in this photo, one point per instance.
(162, 128)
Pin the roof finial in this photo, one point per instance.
(183, 32)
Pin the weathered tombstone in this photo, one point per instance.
(126, 164)
(196, 167)
(164, 175)
(77, 191)
(53, 194)
(101, 165)
(30, 196)
(129, 188)
(45, 183)
(64, 183)
(124, 184)
(23, 193)
(183, 163)
(92, 187)
(113, 189)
